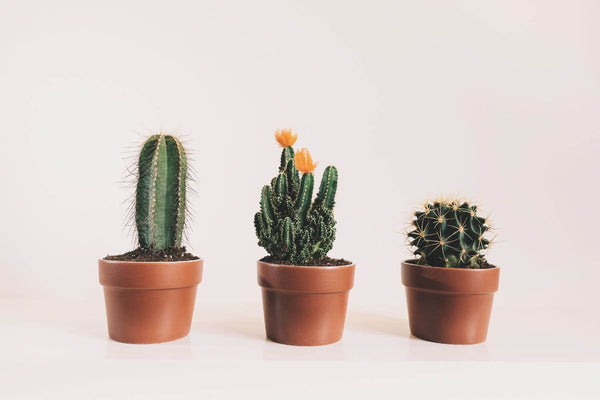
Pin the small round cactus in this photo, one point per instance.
(449, 234)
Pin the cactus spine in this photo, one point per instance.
(290, 226)
(160, 197)
(449, 234)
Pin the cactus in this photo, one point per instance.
(160, 196)
(449, 234)
(290, 225)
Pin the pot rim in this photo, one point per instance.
(450, 280)
(305, 279)
(412, 262)
(140, 275)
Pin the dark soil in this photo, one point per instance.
(149, 255)
(324, 262)
(484, 265)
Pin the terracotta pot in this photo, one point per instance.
(305, 305)
(449, 305)
(149, 302)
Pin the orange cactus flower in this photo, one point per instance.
(304, 161)
(286, 137)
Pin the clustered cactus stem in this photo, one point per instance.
(449, 234)
(290, 225)
(160, 197)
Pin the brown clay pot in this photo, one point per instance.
(305, 305)
(149, 302)
(449, 305)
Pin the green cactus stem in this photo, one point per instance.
(326, 195)
(160, 197)
(304, 198)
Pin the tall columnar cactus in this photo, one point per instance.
(160, 201)
(290, 225)
(449, 234)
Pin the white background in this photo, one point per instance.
(493, 101)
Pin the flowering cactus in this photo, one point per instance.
(290, 225)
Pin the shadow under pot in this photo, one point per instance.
(449, 305)
(149, 302)
(305, 305)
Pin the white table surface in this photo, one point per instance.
(60, 349)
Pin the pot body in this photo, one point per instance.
(305, 305)
(449, 305)
(149, 302)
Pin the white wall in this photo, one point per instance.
(495, 101)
